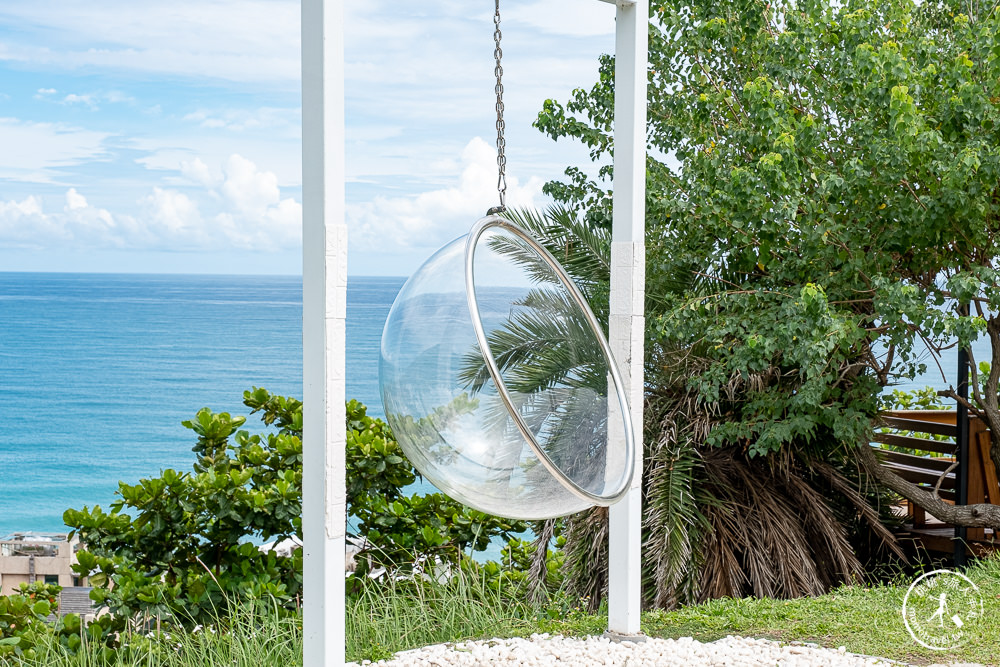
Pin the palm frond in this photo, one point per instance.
(869, 514)
(544, 342)
(584, 251)
(538, 571)
(674, 524)
(586, 564)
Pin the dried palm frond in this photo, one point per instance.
(864, 509)
(778, 531)
(586, 549)
(538, 572)
(674, 525)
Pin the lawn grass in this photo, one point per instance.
(863, 619)
(866, 620)
(386, 619)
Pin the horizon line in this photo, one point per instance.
(183, 273)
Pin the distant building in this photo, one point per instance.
(47, 557)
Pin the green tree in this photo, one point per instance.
(177, 548)
(822, 189)
(181, 547)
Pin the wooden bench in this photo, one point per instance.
(939, 469)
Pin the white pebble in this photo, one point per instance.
(542, 650)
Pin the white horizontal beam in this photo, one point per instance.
(620, 3)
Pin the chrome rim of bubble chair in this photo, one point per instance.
(524, 434)
(571, 485)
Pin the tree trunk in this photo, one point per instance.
(988, 399)
(981, 515)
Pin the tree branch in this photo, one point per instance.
(990, 399)
(937, 485)
(983, 514)
(915, 197)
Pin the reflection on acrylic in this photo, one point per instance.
(445, 409)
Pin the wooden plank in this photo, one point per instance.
(942, 540)
(925, 471)
(937, 416)
(909, 442)
(919, 426)
(977, 477)
(930, 463)
(919, 475)
(982, 444)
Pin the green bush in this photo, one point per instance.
(180, 549)
(25, 624)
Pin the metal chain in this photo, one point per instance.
(501, 143)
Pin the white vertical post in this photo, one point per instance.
(627, 326)
(324, 313)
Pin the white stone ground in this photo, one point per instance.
(542, 650)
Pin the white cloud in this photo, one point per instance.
(93, 100)
(241, 209)
(170, 152)
(257, 215)
(247, 188)
(173, 217)
(16, 217)
(242, 120)
(432, 218)
(198, 172)
(237, 40)
(85, 100)
(24, 224)
(574, 18)
(74, 200)
(35, 151)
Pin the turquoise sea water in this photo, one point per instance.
(97, 372)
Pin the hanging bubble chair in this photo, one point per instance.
(498, 382)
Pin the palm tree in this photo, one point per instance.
(717, 522)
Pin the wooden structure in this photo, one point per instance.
(936, 467)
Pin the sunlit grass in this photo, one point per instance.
(864, 619)
(384, 619)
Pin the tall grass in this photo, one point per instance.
(393, 616)
(387, 617)
(257, 634)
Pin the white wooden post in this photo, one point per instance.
(628, 280)
(324, 314)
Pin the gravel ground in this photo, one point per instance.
(599, 651)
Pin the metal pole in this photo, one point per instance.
(628, 280)
(962, 438)
(324, 313)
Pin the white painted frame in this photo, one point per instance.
(324, 312)
(324, 315)
(628, 288)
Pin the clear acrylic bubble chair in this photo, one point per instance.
(498, 382)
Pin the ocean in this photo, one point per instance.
(97, 372)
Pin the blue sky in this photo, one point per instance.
(164, 136)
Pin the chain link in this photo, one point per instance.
(501, 142)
